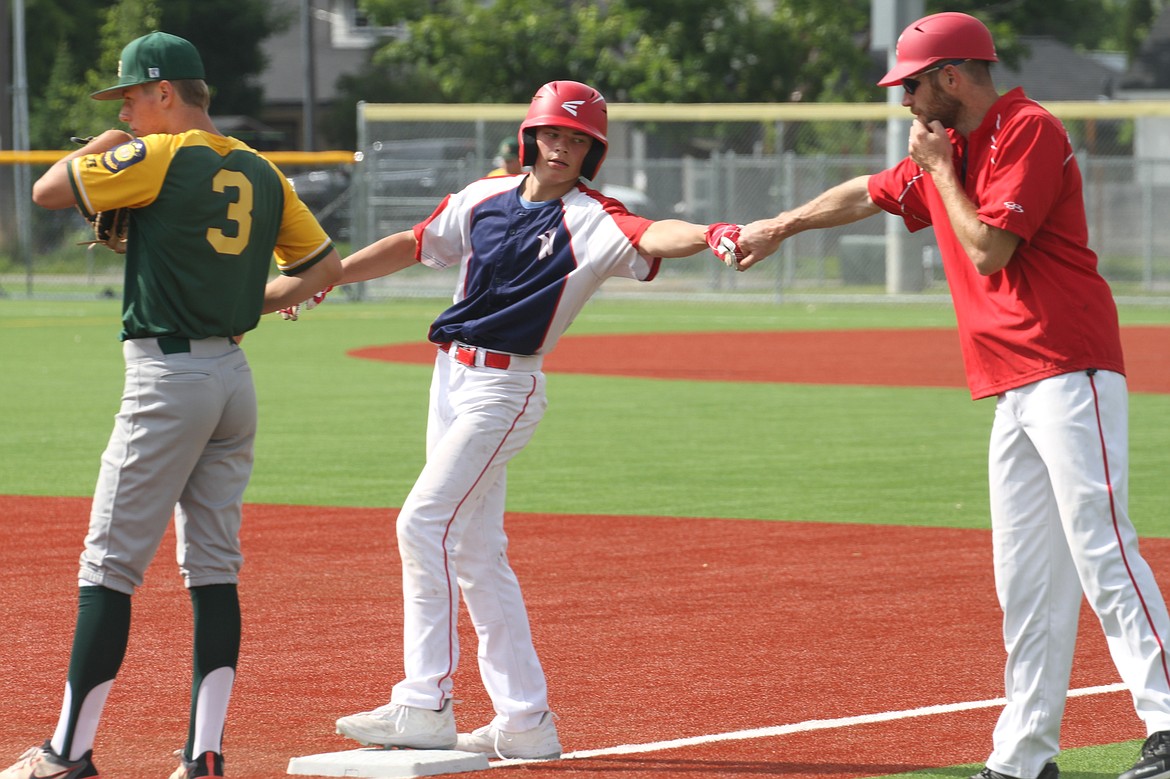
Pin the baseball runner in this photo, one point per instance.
(207, 215)
(531, 250)
(997, 178)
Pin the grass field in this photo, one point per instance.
(341, 431)
(338, 431)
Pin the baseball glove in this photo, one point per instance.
(110, 229)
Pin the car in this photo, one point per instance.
(327, 193)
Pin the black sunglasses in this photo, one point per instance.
(911, 84)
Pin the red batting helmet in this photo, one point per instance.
(944, 36)
(567, 104)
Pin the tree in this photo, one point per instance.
(67, 109)
(55, 25)
(682, 50)
(645, 50)
(67, 61)
(1085, 23)
(631, 50)
(1137, 17)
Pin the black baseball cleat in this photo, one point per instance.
(1155, 760)
(1050, 771)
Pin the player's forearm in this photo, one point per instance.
(52, 190)
(989, 248)
(285, 291)
(673, 238)
(381, 258)
(845, 203)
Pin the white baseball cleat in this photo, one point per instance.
(395, 725)
(43, 763)
(539, 743)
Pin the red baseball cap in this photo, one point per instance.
(931, 39)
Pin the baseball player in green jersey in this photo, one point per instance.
(208, 215)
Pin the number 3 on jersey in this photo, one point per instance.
(238, 211)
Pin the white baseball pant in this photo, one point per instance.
(1058, 469)
(451, 539)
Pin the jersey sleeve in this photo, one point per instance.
(301, 242)
(1026, 175)
(129, 175)
(900, 190)
(631, 225)
(442, 236)
(615, 239)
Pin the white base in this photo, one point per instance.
(388, 763)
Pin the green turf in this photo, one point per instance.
(341, 431)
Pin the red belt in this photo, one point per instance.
(473, 356)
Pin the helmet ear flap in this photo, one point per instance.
(528, 147)
(593, 158)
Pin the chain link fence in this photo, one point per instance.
(738, 163)
(702, 163)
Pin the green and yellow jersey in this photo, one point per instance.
(206, 209)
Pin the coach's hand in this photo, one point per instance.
(757, 240)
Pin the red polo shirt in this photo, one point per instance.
(1048, 311)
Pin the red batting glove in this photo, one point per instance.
(317, 299)
(723, 238)
(292, 313)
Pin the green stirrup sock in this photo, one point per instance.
(217, 645)
(99, 646)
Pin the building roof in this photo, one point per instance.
(1051, 70)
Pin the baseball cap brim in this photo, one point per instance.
(115, 92)
(899, 72)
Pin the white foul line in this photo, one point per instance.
(802, 727)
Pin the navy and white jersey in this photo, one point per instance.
(526, 269)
